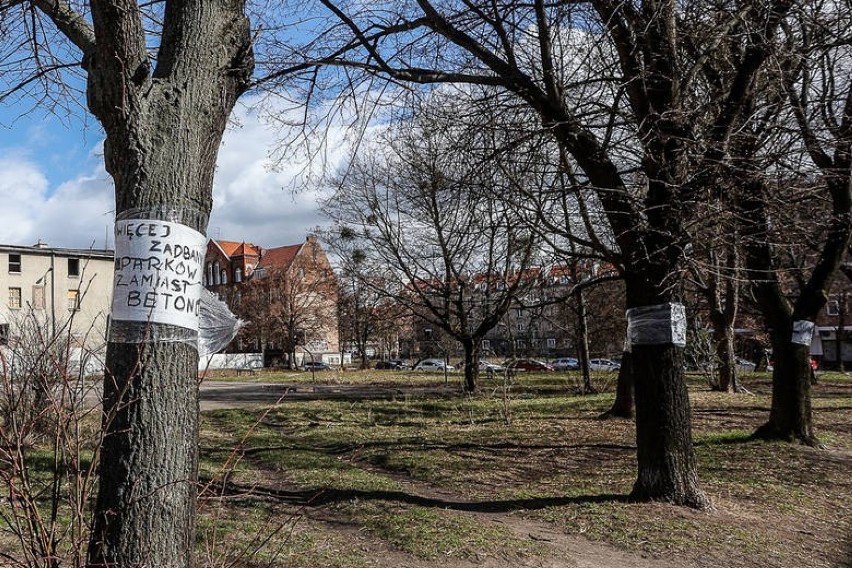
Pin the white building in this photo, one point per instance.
(61, 291)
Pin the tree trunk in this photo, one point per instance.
(163, 130)
(723, 337)
(790, 417)
(583, 334)
(666, 458)
(145, 511)
(471, 363)
(622, 407)
(667, 468)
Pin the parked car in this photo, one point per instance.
(529, 365)
(392, 365)
(566, 364)
(433, 365)
(315, 366)
(488, 367)
(603, 365)
(745, 364)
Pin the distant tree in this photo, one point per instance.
(369, 315)
(419, 210)
(293, 306)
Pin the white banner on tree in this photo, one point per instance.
(158, 271)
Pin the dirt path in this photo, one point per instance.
(557, 549)
(535, 544)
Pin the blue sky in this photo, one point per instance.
(54, 186)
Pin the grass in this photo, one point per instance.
(435, 477)
(413, 473)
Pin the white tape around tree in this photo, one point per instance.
(803, 332)
(158, 271)
(661, 324)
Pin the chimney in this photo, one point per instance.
(40, 244)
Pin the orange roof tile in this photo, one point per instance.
(232, 248)
(279, 257)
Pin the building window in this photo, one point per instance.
(521, 327)
(38, 297)
(216, 273)
(224, 277)
(832, 308)
(15, 263)
(551, 342)
(238, 275)
(73, 300)
(209, 274)
(15, 298)
(73, 267)
(486, 345)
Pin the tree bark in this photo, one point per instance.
(583, 334)
(622, 407)
(790, 417)
(471, 363)
(163, 129)
(666, 458)
(667, 468)
(723, 337)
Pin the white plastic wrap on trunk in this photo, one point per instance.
(661, 324)
(158, 294)
(803, 332)
(217, 325)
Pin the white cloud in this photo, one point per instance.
(74, 215)
(252, 201)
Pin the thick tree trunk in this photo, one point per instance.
(666, 458)
(667, 468)
(145, 511)
(163, 130)
(790, 417)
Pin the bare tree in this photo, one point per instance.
(421, 215)
(797, 216)
(291, 306)
(162, 79)
(369, 314)
(643, 134)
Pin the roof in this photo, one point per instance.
(279, 257)
(233, 248)
(58, 251)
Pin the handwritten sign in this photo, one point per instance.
(158, 271)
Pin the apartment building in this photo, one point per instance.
(59, 289)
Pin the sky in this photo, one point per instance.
(54, 187)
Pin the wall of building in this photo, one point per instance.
(62, 289)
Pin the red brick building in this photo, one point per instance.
(287, 295)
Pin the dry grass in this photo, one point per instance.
(415, 476)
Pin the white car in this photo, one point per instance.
(603, 365)
(566, 364)
(433, 365)
(487, 367)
